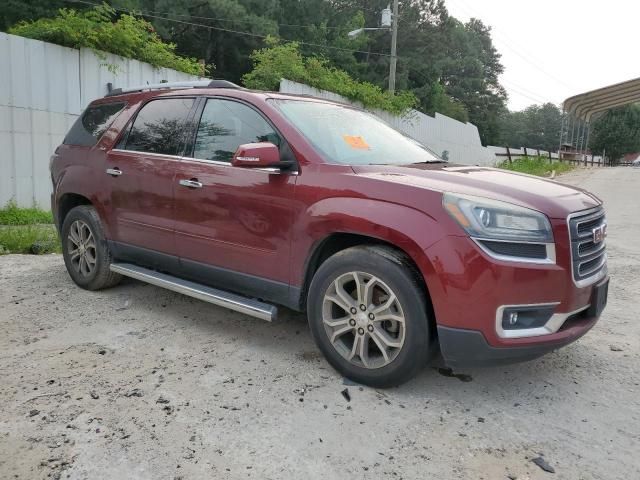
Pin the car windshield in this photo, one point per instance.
(352, 137)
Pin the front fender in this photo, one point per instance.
(408, 229)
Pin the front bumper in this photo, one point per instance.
(469, 348)
(468, 290)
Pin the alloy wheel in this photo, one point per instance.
(363, 320)
(81, 247)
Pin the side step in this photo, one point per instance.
(238, 303)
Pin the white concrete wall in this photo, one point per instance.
(43, 89)
(439, 133)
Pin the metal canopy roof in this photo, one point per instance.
(585, 105)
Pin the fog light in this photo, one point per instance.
(518, 318)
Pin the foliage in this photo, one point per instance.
(538, 126)
(539, 166)
(36, 239)
(27, 230)
(450, 66)
(127, 36)
(12, 215)
(617, 132)
(435, 48)
(14, 11)
(229, 52)
(433, 98)
(285, 61)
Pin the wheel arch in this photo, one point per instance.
(339, 241)
(66, 203)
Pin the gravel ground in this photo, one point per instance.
(138, 382)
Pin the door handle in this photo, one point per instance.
(193, 183)
(114, 172)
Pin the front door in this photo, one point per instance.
(142, 174)
(232, 223)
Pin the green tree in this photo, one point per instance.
(617, 132)
(452, 67)
(220, 46)
(537, 126)
(14, 11)
(470, 73)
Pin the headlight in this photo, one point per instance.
(495, 220)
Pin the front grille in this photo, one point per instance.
(588, 256)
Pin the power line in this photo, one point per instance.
(152, 14)
(521, 93)
(524, 91)
(508, 43)
(218, 19)
(237, 32)
(232, 20)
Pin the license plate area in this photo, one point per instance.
(599, 299)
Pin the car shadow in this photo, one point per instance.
(289, 338)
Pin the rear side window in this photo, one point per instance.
(94, 121)
(159, 127)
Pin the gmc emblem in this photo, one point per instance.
(599, 233)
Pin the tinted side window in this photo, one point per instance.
(94, 121)
(159, 126)
(225, 125)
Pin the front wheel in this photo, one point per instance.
(367, 312)
(85, 250)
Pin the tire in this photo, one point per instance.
(339, 332)
(82, 232)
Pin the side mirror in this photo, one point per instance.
(256, 155)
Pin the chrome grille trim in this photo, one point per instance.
(588, 259)
(550, 248)
(591, 221)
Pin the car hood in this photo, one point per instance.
(548, 196)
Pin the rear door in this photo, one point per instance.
(141, 171)
(233, 226)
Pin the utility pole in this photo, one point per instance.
(394, 42)
(388, 19)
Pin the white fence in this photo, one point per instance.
(43, 88)
(504, 153)
(501, 153)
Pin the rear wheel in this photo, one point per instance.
(367, 313)
(85, 250)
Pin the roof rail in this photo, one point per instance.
(169, 85)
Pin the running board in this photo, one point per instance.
(238, 303)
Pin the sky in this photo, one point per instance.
(554, 49)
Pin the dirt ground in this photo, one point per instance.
(138, 382)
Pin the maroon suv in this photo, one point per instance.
(248, 199)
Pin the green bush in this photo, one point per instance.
(12, 215)
(127, 36)
(539, 166)
(276, 62)
(36, 239)
(27, 230)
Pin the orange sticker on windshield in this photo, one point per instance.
(356, 142)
